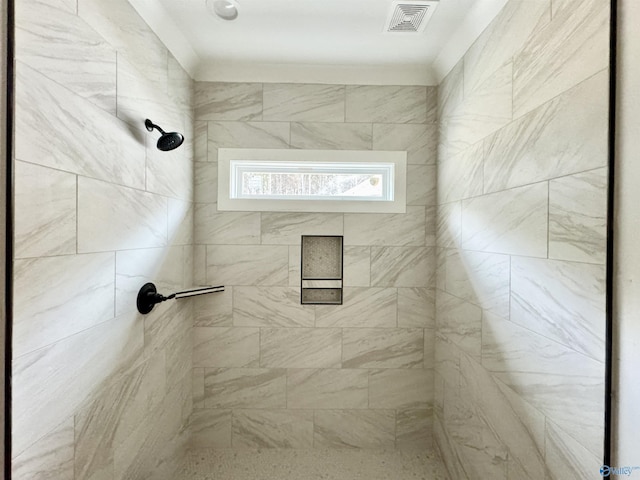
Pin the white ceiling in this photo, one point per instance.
(324, 41)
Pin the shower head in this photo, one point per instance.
(167, 141)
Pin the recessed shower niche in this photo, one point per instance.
(321, 272)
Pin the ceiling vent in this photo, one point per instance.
(409, 17)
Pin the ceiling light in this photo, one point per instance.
(225, 9)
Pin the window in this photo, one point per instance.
(311, 180)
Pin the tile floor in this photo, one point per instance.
(252, 464)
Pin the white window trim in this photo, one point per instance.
(397, 205)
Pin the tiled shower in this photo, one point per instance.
(472, 324)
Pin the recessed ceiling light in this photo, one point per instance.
(225, 9)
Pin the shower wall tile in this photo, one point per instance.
(200, 265)
(402, 266)
(205, 182)
(389, 104)
(270, 307)
(461, 176)
(331, 136)
(169, 173)
(225, 228)
(48, 121)
(228, 101)
(566, 458)
(518, 219)
(282, 428)
(226, 347)
(304, 102)
(200, 140)
(210, 428)
(362, 307)
(449, 225)
(56, 42)
(571, 48)
(451, 91)
(382, 348)
(300, 347)
(413, 429)
(60, 296)
(248, 265)
(198, 388)
(401, 389)
(295, 260)
(245, 388)
(460, 322)
(577, 217)
(180, 224)
(563, 301)
(180, 85)
(503, 38)
(447, 361)
(357, 266)
(288, 228)
(247, 135)
(51, 456)
(564, 136)
(372, 429)
(137, 220)
(419, 141)
(421, 185)
(327, 388)
(480, 278)
(416, 308)
(46, 200)
(395, 229)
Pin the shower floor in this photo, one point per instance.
(311, 465)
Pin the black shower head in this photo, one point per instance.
(167, 141)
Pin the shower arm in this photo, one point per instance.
(148, 295)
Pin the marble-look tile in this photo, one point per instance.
(373, 429)
(52, 383)
(51, 457)
(357, 266)
(170, 173)
(362, 307)
(200, 140)
(180, 85)
(205, 182)
(419, 141)
(60, 296)
(460, 176)
(270, 307)
(272, 428)
(180, 217)
(416, 308)
(137, 220)
(245, 388)
(511, 222)
(48, 120)
(304, 102)
(225, 228)
(300, 347)
(414, 429)
(577, 217)
(166, 323)
(447, 450)
(421, 185)
(121, 26)
(392, 229)
(248, 265)
(561, 300)
(564, 136)
(402, 389)
(441, 267)
(451, 91)
(214, 310)
(503, 38)
(382, 348)
(387, 104)
(449, 225)
(566, 459)
(287, 228)
(45, 211)
(570, 49)
(331, 136)
(197, 385)
(480, 278)
(210, 428)
(327, 388)
(460, 322)
(134, 268)
(200, 265)
(447, 361)
(60, 45)
(430, 213)
(295, 260)
(402, 266)
(228, 101)
(246, 135)
(226, 347)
